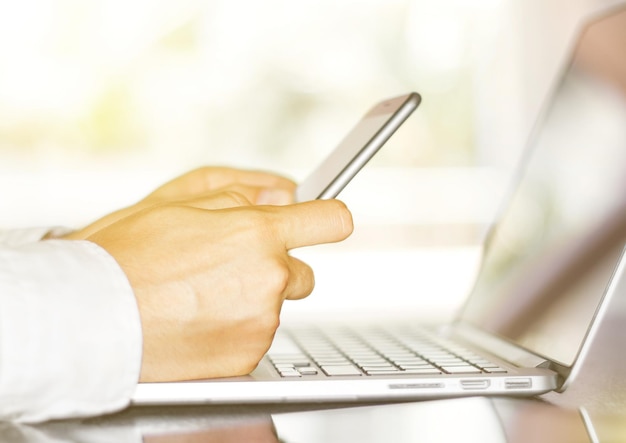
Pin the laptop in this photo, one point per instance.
(544, 282)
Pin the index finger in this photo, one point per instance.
(311, 223)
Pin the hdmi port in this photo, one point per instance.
(475, 384)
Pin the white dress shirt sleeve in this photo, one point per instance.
(70, 332)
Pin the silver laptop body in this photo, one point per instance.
(543, 286)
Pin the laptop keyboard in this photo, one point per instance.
(376, 352)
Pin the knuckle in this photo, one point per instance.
(248, 366)
(202, 177)
(277, 278)
(235, 198)
(260, 227)
(271, 322)
(263, 340)
(270, 325)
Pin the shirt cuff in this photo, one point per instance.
(70, 332)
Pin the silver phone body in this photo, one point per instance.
(357, 148)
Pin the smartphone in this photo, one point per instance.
(357, 148)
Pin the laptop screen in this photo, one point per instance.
(546, 265)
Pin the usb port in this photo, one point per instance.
(518, 383)
(475, 384)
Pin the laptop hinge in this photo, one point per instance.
(499, 347)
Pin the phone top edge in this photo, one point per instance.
(408, 103)
(412, 99)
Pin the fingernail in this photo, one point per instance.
(274, 196)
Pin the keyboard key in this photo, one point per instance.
(384, 372)
(461, 369)
(341, 370)
(379, 368)
(422, 366)
(484, 364)
(496, 370)
(422, 371)
(301, 364)
(378, 362)
(289, 373)
(332, 361)
(416, 360)
(451, 362)
(287, 357)
(280, 366)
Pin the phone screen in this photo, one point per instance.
(357, 148)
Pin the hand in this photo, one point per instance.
(210, 276)
(257, 187)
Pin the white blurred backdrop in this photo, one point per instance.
(101, 101)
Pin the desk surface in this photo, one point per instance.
(596, 400)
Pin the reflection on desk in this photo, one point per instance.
(470, 420)
(467, 420)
